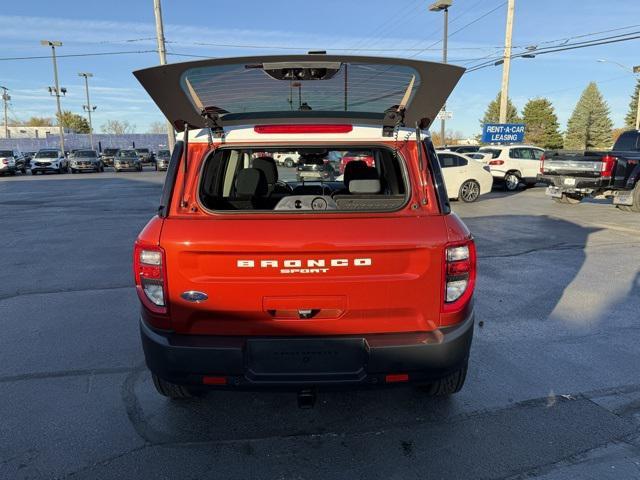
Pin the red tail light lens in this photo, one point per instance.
(460, 275)
(496, 162)
(606, 168)
(150, 277)
(311, 128)
(542, 164)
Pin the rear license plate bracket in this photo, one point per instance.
(322, 356)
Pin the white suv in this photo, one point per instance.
(514, 164)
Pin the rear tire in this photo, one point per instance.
(171, 390)
(469, 191)
(512, 181)
(448, 385)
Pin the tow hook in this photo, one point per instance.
(306, 398)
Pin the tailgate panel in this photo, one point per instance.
(305, 277)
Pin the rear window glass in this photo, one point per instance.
(495, 153)
(323, 179)
(280, 87)
(110, 151)
(6, 153)
(627, 141)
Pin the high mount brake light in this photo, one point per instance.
(496, 162)
(150, 277)
(606, 168)
(302, 128)
(460, 275)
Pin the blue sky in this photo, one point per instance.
(406, 25)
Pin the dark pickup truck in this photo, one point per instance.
(572, 176)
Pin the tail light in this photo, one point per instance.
(5, 161)
(150, 277)
(496, 162)
(606, 168)
(460, 275)
(542, 164)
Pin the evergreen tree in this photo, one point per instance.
(630, 119)
(590, 125)
(541, 124)
(492, 114)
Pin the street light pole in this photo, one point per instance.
(162, 52)
(5, 101)
(443, 5)
(87, 107)
(53, 46)
(506, 67)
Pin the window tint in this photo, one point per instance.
(537, 153)
(447, 161)
(627, 141)
(495, 153)
(515, 153)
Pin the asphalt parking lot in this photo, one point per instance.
(553, 390)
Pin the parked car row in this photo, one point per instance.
(53, 160)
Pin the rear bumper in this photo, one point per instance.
(574, 184)
(282, 362)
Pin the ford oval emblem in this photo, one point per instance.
(194, 296)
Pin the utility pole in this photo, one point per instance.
(56, 89)
(443, 5)
(162, 51)
(5, 101)
(636, 70)
(88, 108)
(506, 66)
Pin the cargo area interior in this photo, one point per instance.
(317, 179)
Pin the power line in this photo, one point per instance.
(97, 54)
(462, 28)
(575, 46)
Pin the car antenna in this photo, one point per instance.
(185, 159)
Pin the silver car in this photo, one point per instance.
(127, 160)
(85, 161)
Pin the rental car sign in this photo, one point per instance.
(503, 132)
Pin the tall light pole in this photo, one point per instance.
(5, 101)
(56, 89)
(443, 5)
(162, 51)
(633, 70)
(88, 108)
(506, 67)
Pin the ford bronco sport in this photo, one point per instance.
(250, 279)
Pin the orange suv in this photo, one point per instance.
(250, 279)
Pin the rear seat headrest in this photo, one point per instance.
(352, 169)
(268, 167)
(365, 186)
(251, 182)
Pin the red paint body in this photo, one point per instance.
(402, 291)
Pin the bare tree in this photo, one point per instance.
(118, 127)
(157, 127)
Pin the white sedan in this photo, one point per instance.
(466, 179)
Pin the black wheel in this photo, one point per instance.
(448, 385)
(171, 390)
(116, 170)
(156, 167)
(23, 170)
(567, 199)
(288, 162)
(469, 191)
(34, 173)
(511, 181)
